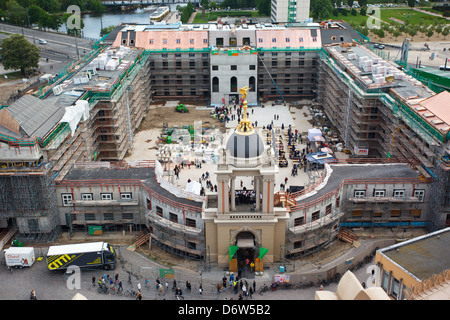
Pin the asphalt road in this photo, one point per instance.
(17, 284)
(58, 45)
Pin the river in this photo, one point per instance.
(94, 22)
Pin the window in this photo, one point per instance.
(191, 41)
(252, 84)
(233, 42)
(299, 221)
(178, 55)
(215, 68)
(385, 281)
(288, 40)
(415, 213)
(190, 223)
(87, 196)
(260, 40)
(314, 39)
(252, 67)
(178, 40)
(274, 40)
(300, 39)
(399, 193)
(127, 216)
(395, 289)
(215, 84)
(315, 216)
(151, 41)
(420, 194)
(233, 67)
(173, 217)
(164, 41)
(219, 42)
(66, 199)
(205, 41)
(298, 244)
(126, 196)
(396, 213)
(106, 196)
(359, 193)
(149, 203)
(328, 209)
(159, 211)
(357, 213)
(89, 216)
(379, 193)
(233, 84)
(192, 64)
(108, 216)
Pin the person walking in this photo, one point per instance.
(33, 295)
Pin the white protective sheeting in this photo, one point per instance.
(75, 114)
(312, 133)
(193, 187)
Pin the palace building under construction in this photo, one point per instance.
(62, 146)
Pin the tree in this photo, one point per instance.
(396, 33)
(18, 53)
(411, 3)
(321, 9)
(106, 30)
(445, 32)
(205, 5)
(16, 13)
(430, 33)
(412, 31)
(264, 7)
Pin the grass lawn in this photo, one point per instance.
(358, 19)
(410, 16)
(214, 15)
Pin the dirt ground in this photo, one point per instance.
(160, 114)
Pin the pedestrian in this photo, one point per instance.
(139, 296)
(33, 295)
(200, 289)
(93, 281)
(160, 290)
(254, 286)
(139, 286)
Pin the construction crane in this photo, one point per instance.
(262, 61)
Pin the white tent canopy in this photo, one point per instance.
(315, 135)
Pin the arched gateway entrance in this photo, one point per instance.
(246, 254)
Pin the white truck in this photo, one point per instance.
(19, 257)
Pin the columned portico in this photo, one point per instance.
(245, 210)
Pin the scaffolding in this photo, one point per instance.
(28, 201)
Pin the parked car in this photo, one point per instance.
(42, 41)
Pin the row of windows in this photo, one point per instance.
(174, 217)
(234, 67)
(288, 40)
(178, 41)
(67, 198)
(106, 216)
(397, 193)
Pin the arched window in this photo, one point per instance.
(233, 84)
(215, 84)
(252, 84)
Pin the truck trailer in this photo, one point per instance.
(83, 255)
(19, 257)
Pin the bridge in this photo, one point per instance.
(138, 3)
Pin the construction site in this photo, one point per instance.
(346, 141)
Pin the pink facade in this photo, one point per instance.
(282, 38)
(168, 39)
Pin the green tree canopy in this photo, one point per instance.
(18, 53)
(321, 9)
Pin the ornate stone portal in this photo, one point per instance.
(241, 216)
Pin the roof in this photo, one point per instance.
(36, 117)
(439, 105)
(76, 248)
(422, 256)
(146, 175)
